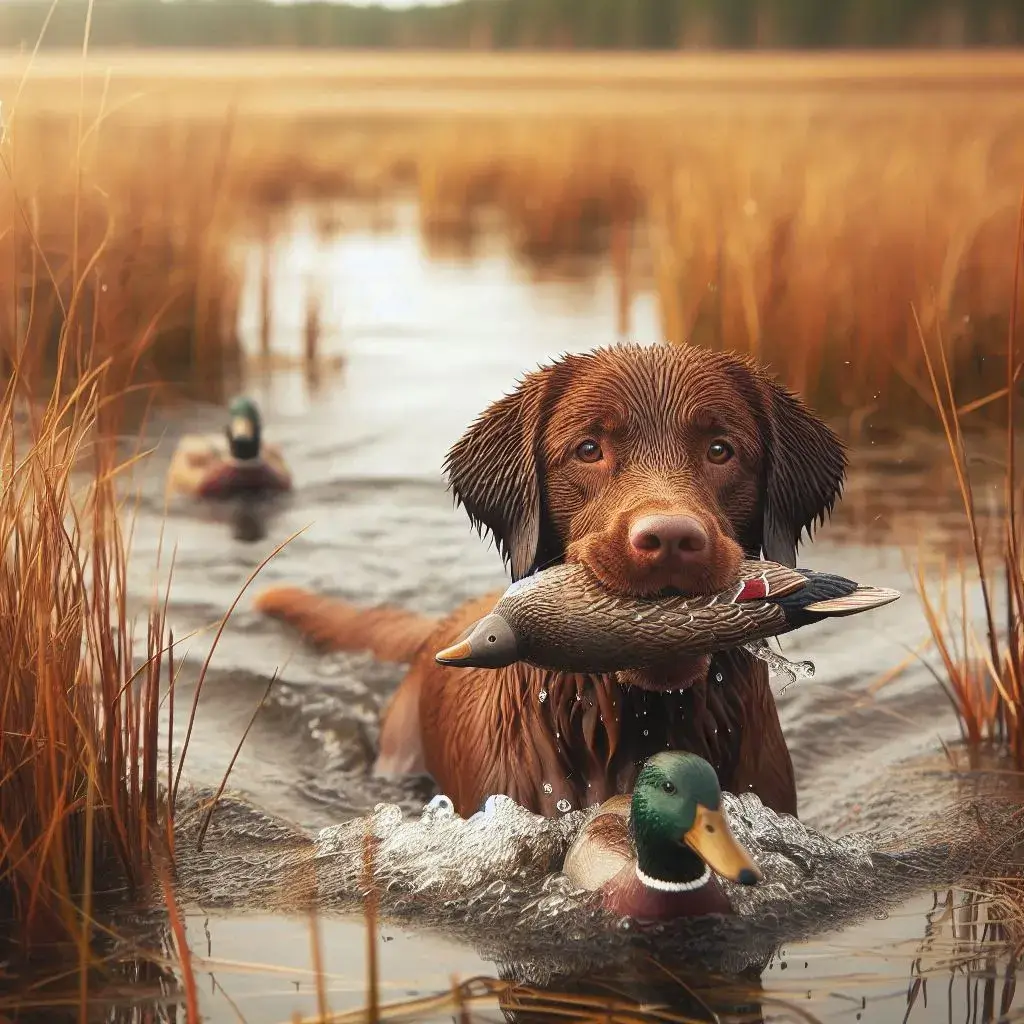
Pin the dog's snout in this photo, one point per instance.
(668, 538)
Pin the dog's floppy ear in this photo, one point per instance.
(495, 474)
(806, 466)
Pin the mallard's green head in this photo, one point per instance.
(243, 429)
(678, 825)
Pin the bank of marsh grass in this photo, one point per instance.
(789, 207)
(111, 278)
(117, 244)
(820, 229)
(982, 656)
(80, 810)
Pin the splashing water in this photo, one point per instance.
(779, 665)
(495, 878)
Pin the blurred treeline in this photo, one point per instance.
(512, 24)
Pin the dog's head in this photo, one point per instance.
(658, 468)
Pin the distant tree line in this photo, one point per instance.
(522, 24)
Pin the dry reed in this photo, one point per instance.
(983, 676)
(792, 209)
(79, 802)
(110, 276)
(121, 244)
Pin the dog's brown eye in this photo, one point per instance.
(719, 452)
(589, 451)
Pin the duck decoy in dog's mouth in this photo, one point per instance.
(563, 619)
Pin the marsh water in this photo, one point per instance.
(412, 346)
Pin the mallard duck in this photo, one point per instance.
(207, 467)
(653, 855)
(563, 619)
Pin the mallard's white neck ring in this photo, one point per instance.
(663, 886)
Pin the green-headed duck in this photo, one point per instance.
(207, 467)
(655, 856)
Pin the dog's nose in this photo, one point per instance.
(668, 538)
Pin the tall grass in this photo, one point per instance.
(786, 210)
(110, 277)
(119, 246)
(79, 714)
(984, 673)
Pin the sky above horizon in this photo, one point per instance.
(360, 3)
(386, 3)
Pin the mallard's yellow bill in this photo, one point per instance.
(712, 840)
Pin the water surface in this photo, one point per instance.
(412, 348)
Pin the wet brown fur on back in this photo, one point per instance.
(587, 460)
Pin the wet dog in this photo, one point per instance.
(659, 469)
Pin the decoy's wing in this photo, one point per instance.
(862, 599)
(600, 851)
(768, 579)
(193, 461)
(621, 805)
(198, 452)
(273, 456)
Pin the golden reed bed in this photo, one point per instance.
(793, 207)
(796, 207)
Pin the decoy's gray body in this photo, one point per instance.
(563, 619)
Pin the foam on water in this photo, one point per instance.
(779, 665)
(494, 878)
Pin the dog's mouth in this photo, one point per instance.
(616, 585)
(679, 675)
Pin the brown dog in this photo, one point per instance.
(657, 468)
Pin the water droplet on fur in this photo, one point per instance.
(547, 787)
(647, 732)
(719, 677)
(564, 806)
(543, 696)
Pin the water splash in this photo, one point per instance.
(495, 878)
(779, 665)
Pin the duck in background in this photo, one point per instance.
(239, 463)
(654, 855)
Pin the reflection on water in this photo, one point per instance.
(938, 958)
(409, 349)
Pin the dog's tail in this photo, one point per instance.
(390, 634)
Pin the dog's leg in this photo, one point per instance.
(401, 743)
(764, 765)
(390, 634)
